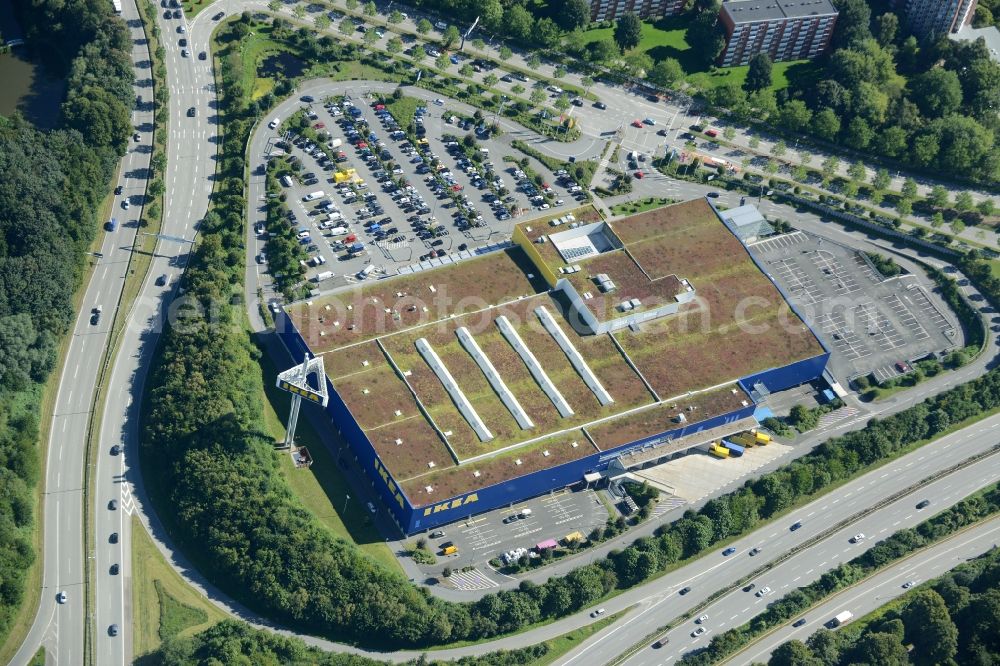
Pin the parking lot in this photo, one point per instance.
(486, 536)
(415, 196)
(871, 324)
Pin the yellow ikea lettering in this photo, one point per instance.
(393, 490)
(453, 504)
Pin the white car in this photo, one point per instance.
(699, 631)
(858, 538)
(598, 612)
(764, 591)
(908, 584)
(701, 620)
(61, 597)
(439, 101)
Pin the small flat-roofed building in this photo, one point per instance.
(783, 29)
(746, 223)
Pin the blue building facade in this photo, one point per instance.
(412, 519)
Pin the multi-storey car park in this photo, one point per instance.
(467, 385)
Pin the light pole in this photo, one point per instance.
(344, 510)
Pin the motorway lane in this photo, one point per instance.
(808, 565)
(60, 628)
(883, 587)
(775, 538)
(190, 152)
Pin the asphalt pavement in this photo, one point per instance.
(60, 627)
(883, 587)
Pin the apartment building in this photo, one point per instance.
(925, 18)
(784, 29)
(608, 10)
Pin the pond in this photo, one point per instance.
(27, 86)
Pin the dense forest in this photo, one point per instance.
(954, 619)
(51, 184)
(236, 643)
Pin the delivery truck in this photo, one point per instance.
(841, 618)
(719, 451)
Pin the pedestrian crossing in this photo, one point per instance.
(835, 416)
(471, 580)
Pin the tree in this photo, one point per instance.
(852, 24)
(394, 46)
(450, 36)
(537, 96)
(937, 220)
(638, 63)
(763, 103)
(963, 202)
(930, 629)
(957, 226)
(370, 8)
(829, 167)
(986, 207)
(322, 22)
(519, 22)
(562, 103)
(857, 171)
(805, 156)
(395, 17)
(705, 35)
(666, 72)
(779, 148)
(418, 53)
(573, 14)
(628, 31)
(729, 133)
(904, 206)
(534, 62)
(490, 80)
(274, 5)
(559, 72)
(759, 74)
(794, 115)
(298, 11)
(424, 26)
(878, 648)
(442, 62)
(505, 53)
(351, 4)
(938, 196)
(859, 133)
(909, 189)
(370, 37)
(881, 179)
(602, 51)
(886, 28)
(754, 142)
(794, 653)
(937, 92)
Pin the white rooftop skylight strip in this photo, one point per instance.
(494, 378)
(451, 386)
(588, 376)
(534, 367)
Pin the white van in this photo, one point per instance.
(484, 151)
(286, 180)
(274, 123)
(325, 275)
(339, 231)
(312, 196)
(318, 260)
(302, 235)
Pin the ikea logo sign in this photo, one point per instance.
(453, 504)
(389, 483)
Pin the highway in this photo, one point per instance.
(60, 627)
(883, 587)
(809, 564)
(190, 165)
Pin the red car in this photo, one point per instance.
(319, 126)
(639, 175)
(637, 123)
